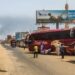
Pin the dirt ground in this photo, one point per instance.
(5, 62)
(46, 64)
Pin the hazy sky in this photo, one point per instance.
(20, 15)
(28, 7)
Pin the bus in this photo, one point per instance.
(51, 37)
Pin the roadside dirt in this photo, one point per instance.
(6, 65)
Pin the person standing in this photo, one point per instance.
(62, 51)
(42, 48)
(35, 51)
(58, 48)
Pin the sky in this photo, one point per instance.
(20, 15)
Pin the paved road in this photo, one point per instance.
(23, 65)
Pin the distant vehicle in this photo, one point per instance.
(13, 43)
(51, 37)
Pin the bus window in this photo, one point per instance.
(64, 34)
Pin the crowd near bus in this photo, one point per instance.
(50, 40)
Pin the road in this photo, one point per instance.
(23, 63)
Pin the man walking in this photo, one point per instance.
(62, 51)
(35, 51)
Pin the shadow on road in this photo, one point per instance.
(28, 52)
(3, 70)
(71, 61)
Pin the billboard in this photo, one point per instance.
(53, 16)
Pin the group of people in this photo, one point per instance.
(60, 50)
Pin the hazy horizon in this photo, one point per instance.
(20, 15)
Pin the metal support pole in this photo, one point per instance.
(57, 25)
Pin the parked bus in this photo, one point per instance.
(51, 37)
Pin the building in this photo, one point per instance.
(20, 38)
(21, 35)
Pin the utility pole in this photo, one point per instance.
(66, 9)
(57, 24)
